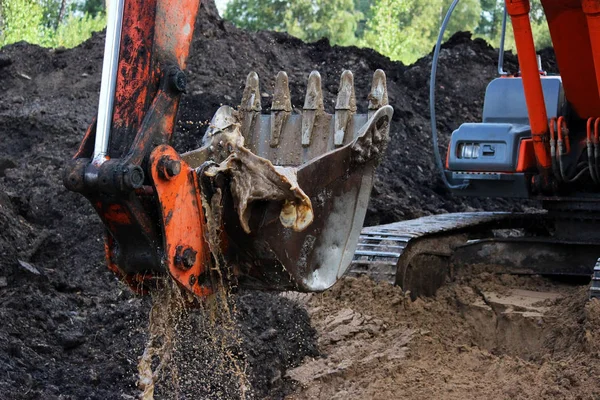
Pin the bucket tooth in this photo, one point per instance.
(378, 96)
(281, 108)
(250, 107)
(313, 106)
(345, 107)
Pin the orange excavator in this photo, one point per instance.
(538, 139)
(277, 201)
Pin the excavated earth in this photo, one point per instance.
(70, 330)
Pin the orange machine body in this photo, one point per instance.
(127, 192)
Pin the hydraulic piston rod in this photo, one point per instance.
(109, 80)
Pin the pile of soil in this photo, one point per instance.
(70, 328)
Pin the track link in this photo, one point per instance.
(595, 288)
(419, 255)
(381, 247)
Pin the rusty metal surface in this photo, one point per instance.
(338, 184)
(154, 45)
(185, 252)
(289, 139)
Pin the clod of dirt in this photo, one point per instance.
(254, 179)
(4, 60)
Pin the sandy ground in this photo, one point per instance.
(495, 337)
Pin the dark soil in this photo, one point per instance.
(69, 328)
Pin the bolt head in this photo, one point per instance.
(133, 177)
(178, 80)
(173, 167)
(185, 257)
(189, 257)
(169, 168)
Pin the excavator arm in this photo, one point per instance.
(273, 201)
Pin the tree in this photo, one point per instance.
(490, 26)
(364, 7)
(49, 23)
(22, 20)
(258, 15)
(407, 29)
(308, 20)
(91, 7)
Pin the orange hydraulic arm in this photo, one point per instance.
(576, 44)
(534, 96)
(575, 32)
(145, 236)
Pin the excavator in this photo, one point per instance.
(277, 200)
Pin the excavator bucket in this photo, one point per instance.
(299, 182)
(273, 201)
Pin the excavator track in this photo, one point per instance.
(595, 288)
(421, 254)
(380, 247)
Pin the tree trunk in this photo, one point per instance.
(61, 13)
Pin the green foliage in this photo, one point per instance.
(258, 15)
(75, 30)
(400, 29)
(490, 25)
(407, 30)
(91, 7)
(48, 23)
(21, 20)
(308, 20)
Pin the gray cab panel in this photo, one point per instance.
(505, 100)
(493, 145)
(483, 153)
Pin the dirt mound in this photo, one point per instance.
(69, 327)
(483, 338)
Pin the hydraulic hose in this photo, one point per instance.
(434, 134)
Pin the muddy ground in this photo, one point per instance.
(69, 329)
(482, 337)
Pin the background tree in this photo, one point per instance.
(407, 30)
(91, 7)
(50, 23)
(22, 20)
(256, 15)
(400, 29)
(308, 20)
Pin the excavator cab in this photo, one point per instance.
(271, 201)
(496, 155)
